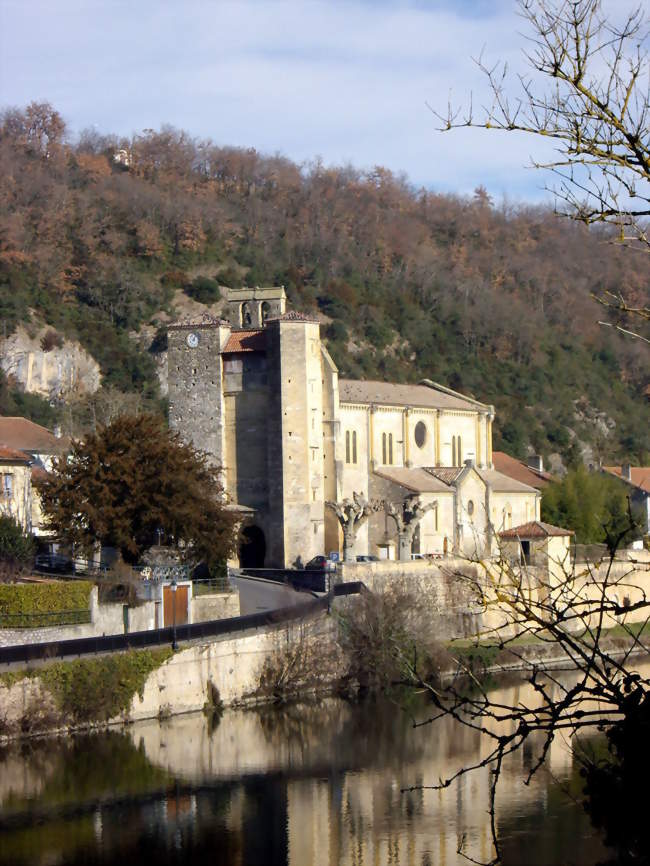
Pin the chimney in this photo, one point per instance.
(626, 472)
(536, 462)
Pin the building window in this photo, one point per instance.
(435, 518)
(390, 449)
(420, 434)
(507, 517)
(347, 446)
(383, 449)
(265, 310)
(470, 507)
(246, 315)
(7, 485)
(354, 446)
(456, 451)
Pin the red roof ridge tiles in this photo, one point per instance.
(13, 454)
(535, 529)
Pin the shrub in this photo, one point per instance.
(204, 290)
(51, 340)
(16, 547)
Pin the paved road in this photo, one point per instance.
(256, 594)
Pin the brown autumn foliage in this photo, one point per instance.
(495, 300)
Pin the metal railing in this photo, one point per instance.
(25, 653)
(44, 619)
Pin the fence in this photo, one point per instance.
(25, 653)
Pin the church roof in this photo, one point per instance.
(504, 483)
(446, 474)
(535, 529)
(253, 340)
(393, 394)
(419, 480)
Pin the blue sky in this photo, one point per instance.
(347, 81)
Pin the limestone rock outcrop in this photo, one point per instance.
(53, 373)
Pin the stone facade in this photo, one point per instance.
(261, 396)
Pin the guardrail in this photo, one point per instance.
(25, 653)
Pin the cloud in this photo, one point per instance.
(348, 81)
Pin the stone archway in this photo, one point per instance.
(252, 549)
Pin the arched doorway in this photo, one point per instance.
(252, 548)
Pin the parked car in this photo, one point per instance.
(367, 557)
(320, 563)
(57, 562)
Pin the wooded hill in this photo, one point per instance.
(492, 301)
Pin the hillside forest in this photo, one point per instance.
(100, 237)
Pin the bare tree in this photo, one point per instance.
(351, 514)
(589, 620)
(596, 111)
(407, 516)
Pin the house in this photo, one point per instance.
(637, 479)
(531, 473)
(16, 486)
(33, 448)
(260, 395)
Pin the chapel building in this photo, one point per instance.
(259, 393)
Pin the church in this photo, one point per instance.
(258, 392)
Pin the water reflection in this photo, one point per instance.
(313, 784)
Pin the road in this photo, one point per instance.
(256, 594)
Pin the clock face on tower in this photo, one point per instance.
(192, 340)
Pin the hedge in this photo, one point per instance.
(25, 601)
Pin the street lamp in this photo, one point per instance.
(174, 587)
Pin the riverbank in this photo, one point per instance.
(264, 666)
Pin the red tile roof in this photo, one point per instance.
(535, 529)
(27, 436)
(640, 476)
(518, 470)
(13, 455)
(246, 341)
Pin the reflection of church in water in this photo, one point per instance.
(260, 394)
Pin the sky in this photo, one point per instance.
(344, 80)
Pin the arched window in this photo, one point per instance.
(347, 446)
(354, 446)
(383, 449)
(265, 310)
(246, 315)
(459, 449)
(390, 448)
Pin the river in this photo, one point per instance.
(316, 784)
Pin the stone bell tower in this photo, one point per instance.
(194, 364)
(252, 307)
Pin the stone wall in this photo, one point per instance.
(451, 600)
(220, 605)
